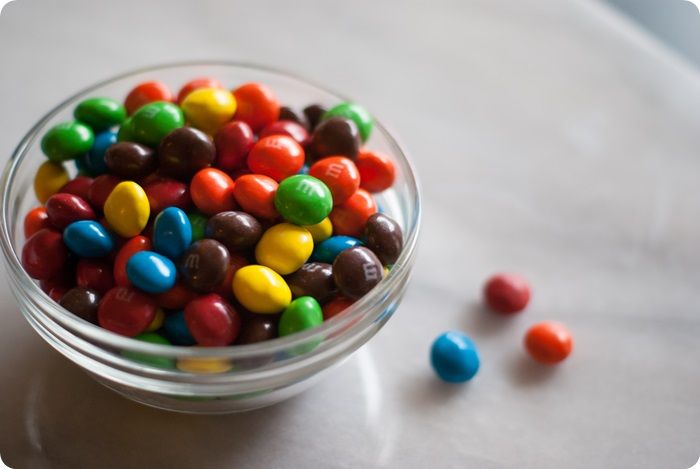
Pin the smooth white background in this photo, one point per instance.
(552, 138)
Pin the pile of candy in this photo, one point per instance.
(209, 218)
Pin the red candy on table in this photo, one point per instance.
(548, 342)
(147, 92)
(335, 306)
(233, 142)
(44, 254)
(350, 217)
(289, 128)
(131, 247)
(212, 321)
(165, 192)
(339, 174)
(256, 105)
(197, 83)
(100, 189)
(80, 186)
(35, 220)
(507, 293)
(177, 297)
(64, 209)
(126, 311)
(94, 274)
(212, 191)
(255, 194)
(377, 171)
(277, 156)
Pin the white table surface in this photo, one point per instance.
(552, 138)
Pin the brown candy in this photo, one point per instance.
(185, 151)
(257, 328)
(313, 279)
(235, 230)
(204, 265)
(314, 113)
(288, 114)
(336, 136)
(384, 238)
(356, 271)
(82, 302)
(130, 160)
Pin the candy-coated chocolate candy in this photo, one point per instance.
(257, 328)
(507, 293)
(151, 272)
(100, 113)
(79, 186)
(335, 136)
(336, 306)
(36, 219)
(44, 254)
(255, 194)
(236, 262)
(144, 93)
(95, 275)
(301, 314)
(131, 247)
(313, 114)
(177, 297)
(172, 232)
(82, 302)
(157, 322)
(289, 114)
(321, 230)
(197, 83)
(233, 143)
(357, 114)
(176, 329)
(356, 271)
(94, 160)
(303, 200)
(100, 189)
(257, 105)
(304, 169)
(384, 238)
(185, 151)
(377, 171)
(350, 217)
(288, 128)
(549, 342)
(199, 224)
(67, 140)
(204, 265)
(54, 288)
(313, 279)
(129, 160)
(454, 357)
(152, 360)
(126, 311)
(235, 230)
(284, 248)
(49, 178)
(127, 209)
(126, 131)
(88, 238)
(276, 156)
(164, 192)
(64, 209)
(261, 290)
(154, 121)
(212, 191)
(339, 174)
(212, 321)
(204, 366)
(327, 250)
(209, 108)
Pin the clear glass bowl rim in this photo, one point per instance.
(342, 324)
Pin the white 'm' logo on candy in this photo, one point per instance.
(306, 187)
(370, 270)
(124, 295)
(334, 170)
(192, 261)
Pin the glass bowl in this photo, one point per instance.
(216, 379)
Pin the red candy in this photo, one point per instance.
(233, 143)
(44, 254)
(507, 293)
(57, 287)
(350, 217)
(164, 192)
(256, 105)
(35, 220)
(549, 342)
(339, 174)
(336, 306)
(79, 186)
(64, 209)
(255, 193)
(289, 128)
(100, 189)
(212, 191)
(177, 297)
(212, 321)
(237, 261)
(277, 156)
(94, 275)
(126, 311)
(131, 247)
(145, 93)
(377, 171)
(197, 83)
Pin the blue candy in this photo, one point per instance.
(328, 249)
(176, 329)
(172, 232)
(304, 169)
(87, 238)
(151, 272)
(94, 160)
(454, 357)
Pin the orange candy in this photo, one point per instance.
(35, 220)
(212, 191)
(377, 171)
(276, 156)
(131, 247)
(350, 217)
(197, 83)
(255, 194)
(147, 92)
(549, 342)
(340, 175)
(335, 306)
(256, 105)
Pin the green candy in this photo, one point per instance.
(303, 200)
(154, 121)
(100, 113)
(153, 360)
(301, 314)
(67, 141)
(199, 225)
(355, 113)
(126, 131)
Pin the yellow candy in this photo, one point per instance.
(321, 230)
(157, 321)
(50, 177)
(127, 209)
(284, 248)
(261, 290)
(204, 365)
(209, 108)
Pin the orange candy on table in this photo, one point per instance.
(212, 191)
(147, 92)
(255, 194)
(35, 220)
(256, 105)
(377, 171)
(340, 175)
(197, 83)
(549, 342)
(350, 217)
(276, 156)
